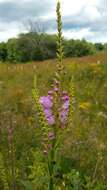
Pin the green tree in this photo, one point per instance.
(24, 49)
(3, 51)
(78, 48)
(99, 46)
(11, 50)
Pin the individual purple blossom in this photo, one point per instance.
(49, 116)
(46, 102)
(51, 136)
(62, 126)
(66, 102)
(64, 93)
(50, 92)
(63, 116)
(56, 89)
(51, 120)
(48, 112)
(65, 98)
(66, 105)
(50, 97)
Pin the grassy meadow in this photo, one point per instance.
(84, 149)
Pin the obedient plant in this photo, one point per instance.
(55, 109)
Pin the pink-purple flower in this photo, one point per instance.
(51, 120)
(65, 105)
(64, 109)
(51, 136)
(47, 103)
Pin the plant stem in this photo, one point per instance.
(51, 183)
(51, 166)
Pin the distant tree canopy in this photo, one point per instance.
(78, 48)
(99, 46)
(3, 51)
(40, 46)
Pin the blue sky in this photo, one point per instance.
(81, 18)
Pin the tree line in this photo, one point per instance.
(37, 47)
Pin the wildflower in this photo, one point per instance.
(50, 92)
(51, 136)
(48, 112)
(64, 93)
(63, 116)
(62, 126)
(49, 116)
(66, 105)
(51, 120)
(47, 104)
(46, 101)
(56, 89)
(85, 105)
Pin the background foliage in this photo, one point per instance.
(41, 46)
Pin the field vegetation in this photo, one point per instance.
(84, 150)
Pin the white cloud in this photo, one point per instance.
(9, 30)
(80, 34)
(70, 7)
(3, 1)
(92, 13)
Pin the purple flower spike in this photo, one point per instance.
(47, 103)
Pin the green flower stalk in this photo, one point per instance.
(60, 52)
(71, 104)
(41, 116)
